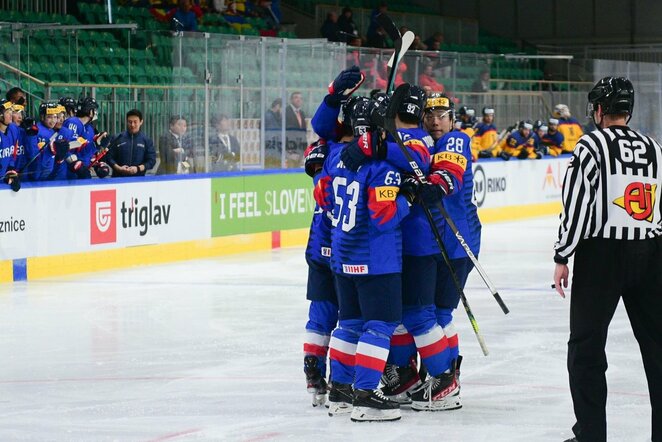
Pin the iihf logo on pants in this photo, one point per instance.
(103, 228)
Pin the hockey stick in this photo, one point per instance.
(390, 127)
(407, 40)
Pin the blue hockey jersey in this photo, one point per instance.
(85, 152)
(8, 144)
(366, 239)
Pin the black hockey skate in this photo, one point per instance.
(340, 398)
(373, 406)
(315, 383)
(399, 382)
(438, 393)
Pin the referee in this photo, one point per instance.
(612, 221)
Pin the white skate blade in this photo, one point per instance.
(367, 414)
(338, 408)
(445, 404)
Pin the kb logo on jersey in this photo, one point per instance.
(638, 200)
(103, 228)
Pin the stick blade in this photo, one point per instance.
(389, 26)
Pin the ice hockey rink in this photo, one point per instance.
(212, 350)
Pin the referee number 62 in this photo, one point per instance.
(632, 152)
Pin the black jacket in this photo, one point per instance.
(132, 150)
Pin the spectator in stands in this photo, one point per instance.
(295, 125)
(330, 28)
(131, 152)
(273, 117)
(223, 146)
(427, 79)
(357, 42)
(418, 45)
(16, 95)
(376, 35)
(482, 84)
(174, 148)
(346, 25)
(434, 43)
(183, 18)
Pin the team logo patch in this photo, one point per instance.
(437, 102)
(355, 269)
(386, 193)
(638, 200)
(451, 157)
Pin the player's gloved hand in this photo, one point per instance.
(314, 155)
(11, 178)
(440, 184)
(523, 155)
(370, 145)
(410, 189)
(75, 165)
(98, 138)
(102, 170)
(59, 149)
(30, 126)
(344, 85)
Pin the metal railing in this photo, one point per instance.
(35, 6)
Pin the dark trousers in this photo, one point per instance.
(605, 271)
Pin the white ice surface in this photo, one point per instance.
(212, 350)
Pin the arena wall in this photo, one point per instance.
(55, 229)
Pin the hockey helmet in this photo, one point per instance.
(525, 124)
(537, 124)
(615, 95)
(553, 122)
(360, 115)
(345, 112)
(488, 110)
(68, 103)
(412, 105)
(48, 108)
(86, 105)
(561, 111)
(437, 100)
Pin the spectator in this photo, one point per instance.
(273, 117)
(482, 84)
(346, 25)
(183, 18)
(376, 33)
(427, 79)
(330, 28)
(16, 95)
(295, 124)
(132, 152)
(223, 146)
(357, 42)
(434, 43)
(418, 45)
(174, 149)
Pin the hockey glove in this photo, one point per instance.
(102, 170)
(98, 138)
(75, 165)
(370, 145)
(440, 184)
(315, 155)
(344, 85)
(11, 178)
(59, 149)
(410, 188)
(30, 126)
(484, 154)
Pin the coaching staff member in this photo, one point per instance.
(612, 221)
(132, 152)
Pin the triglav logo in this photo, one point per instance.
(103, 228)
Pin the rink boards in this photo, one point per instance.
(54, 229)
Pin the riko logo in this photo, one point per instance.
(103, 228)
(638, 200)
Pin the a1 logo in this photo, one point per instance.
(103, 225)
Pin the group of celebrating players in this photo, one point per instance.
(381, 289)
(523, 140)
(62, 145)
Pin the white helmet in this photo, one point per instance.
(561, 111)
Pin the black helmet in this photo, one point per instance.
(437, 100)
(68, 103)
(5, 104)
(344, 116)
(412, 105)
(48, 108)
(537, 124)
(487, 110)
(615, 95)
(360, 115)
(86, 105)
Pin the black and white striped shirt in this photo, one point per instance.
(612, 189)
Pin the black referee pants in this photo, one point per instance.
(604, 271)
